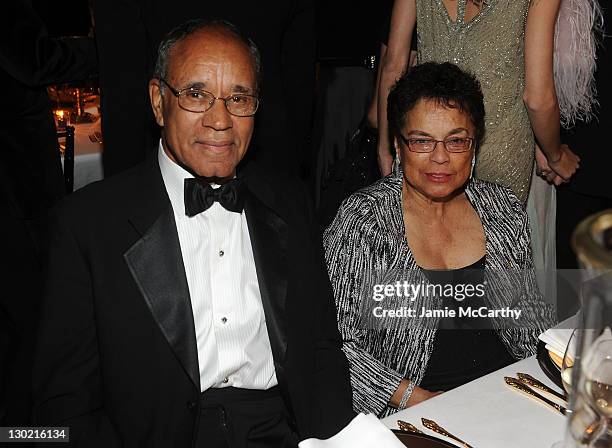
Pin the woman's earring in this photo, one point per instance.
(396, 165)
(397, 162)
(473, 165)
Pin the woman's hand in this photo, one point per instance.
(566, 164)
(418, 395)
(543, 170)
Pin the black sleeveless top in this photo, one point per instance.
(464, 348)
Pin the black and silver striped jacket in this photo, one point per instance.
(367, 235)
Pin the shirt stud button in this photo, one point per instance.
(225, 380)
(224, 319)
(221, 253)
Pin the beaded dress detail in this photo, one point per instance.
(490, 46)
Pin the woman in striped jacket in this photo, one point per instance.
(432, 269)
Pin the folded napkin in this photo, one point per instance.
(364, 431)
(557, 338)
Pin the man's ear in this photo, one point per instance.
(157, 101)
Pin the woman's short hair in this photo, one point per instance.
(444, 83)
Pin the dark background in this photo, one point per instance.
(345, 28)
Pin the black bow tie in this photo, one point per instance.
(199, 196)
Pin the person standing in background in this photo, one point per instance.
(372, 115)
(128, 33)
(590, 190)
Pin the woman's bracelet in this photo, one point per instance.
(407, 392)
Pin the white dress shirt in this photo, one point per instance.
(230, 326)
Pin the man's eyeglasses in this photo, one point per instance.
(197, 100)
(454, 144)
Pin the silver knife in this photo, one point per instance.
(533, 382)
(518, 385)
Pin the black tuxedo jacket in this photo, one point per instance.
(128, 33)
(117, 358)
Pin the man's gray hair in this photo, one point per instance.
(193, 26)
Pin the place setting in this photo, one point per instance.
(555, 355)
(584, 410)
(412, 436)
(584, 371)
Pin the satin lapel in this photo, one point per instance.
(156, 264)
(269, 239)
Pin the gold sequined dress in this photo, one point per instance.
(491, 46)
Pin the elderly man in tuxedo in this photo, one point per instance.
(187, 303)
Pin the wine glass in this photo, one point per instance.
(568, 362)
(597, 368)
(567, 365)
(590, 423)
(584, 424)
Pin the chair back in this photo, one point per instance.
(68, 135)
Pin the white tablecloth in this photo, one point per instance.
(488, 414)
(87, 155)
